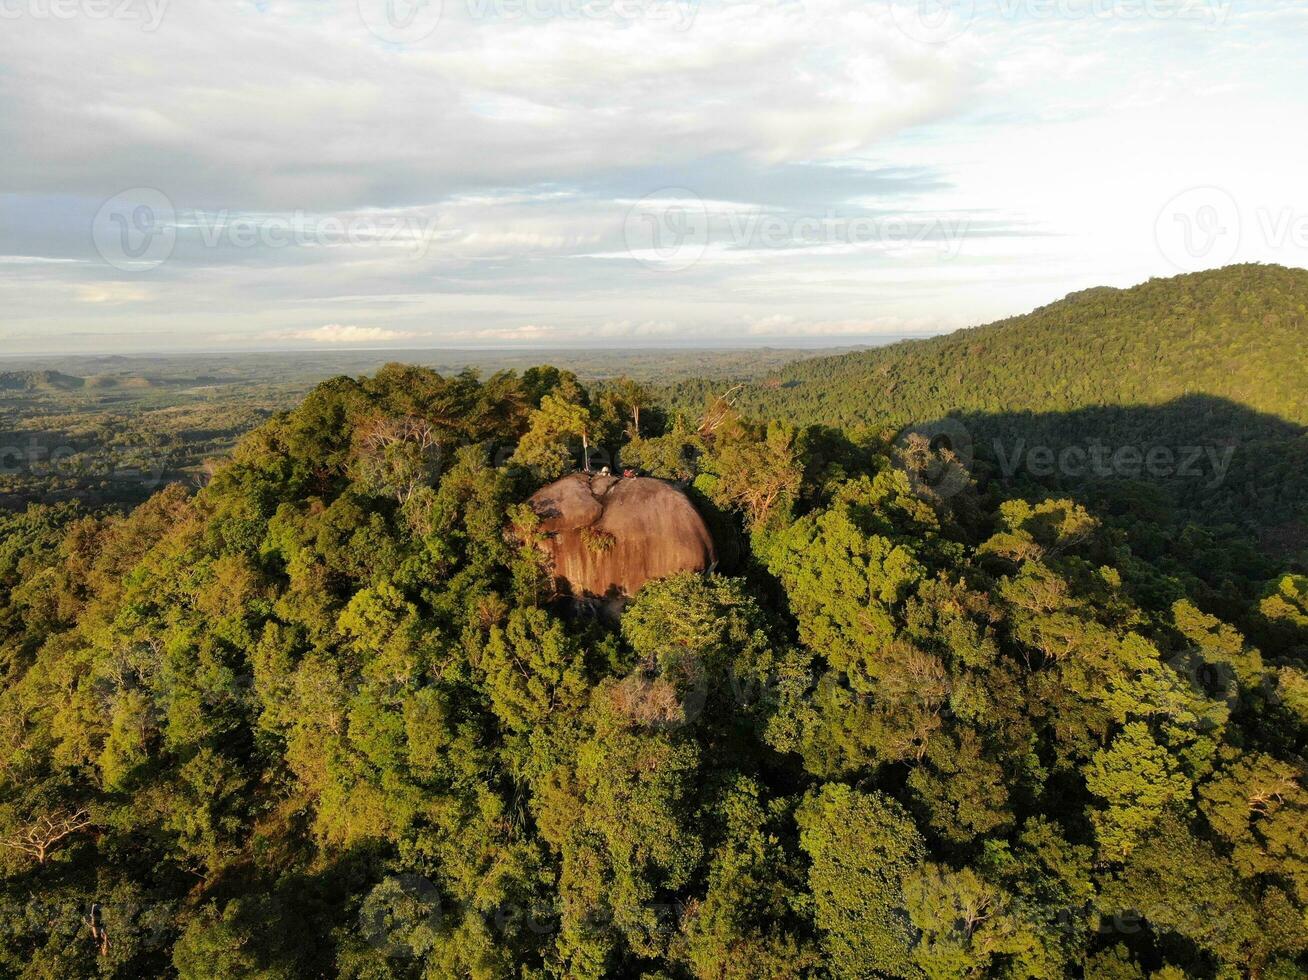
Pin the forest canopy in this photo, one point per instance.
(324, 716)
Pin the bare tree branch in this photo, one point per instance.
(39, 838)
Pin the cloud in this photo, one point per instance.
(785, 326)
(339, 333)
(486, 100)
(112, 292)
(527, 333)
(478, 186)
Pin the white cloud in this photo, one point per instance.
(481, 180)
(339, 333)
(33, 260)
(299, 106)
(112, 292)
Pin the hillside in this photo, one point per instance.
(39, 381)
(1235, 333)
(121, 427)
(324, 717)
(1184, 399)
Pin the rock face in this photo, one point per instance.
(608, 536)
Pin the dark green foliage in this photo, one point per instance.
(863, 848)
(321, 718)
(1177, 407)
(1235, 333)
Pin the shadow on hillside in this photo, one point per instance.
(1201, 465)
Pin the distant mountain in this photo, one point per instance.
(1185, 399)
(1239, 333)
(39, 381)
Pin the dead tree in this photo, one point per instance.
(41, 836)
(95, 922)
(718, 412)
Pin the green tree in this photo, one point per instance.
(1140, 781)
(863, 847)
(546, 449)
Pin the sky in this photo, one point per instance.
(226, 174)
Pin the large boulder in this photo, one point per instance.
(607, 536)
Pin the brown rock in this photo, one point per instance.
(607, 536)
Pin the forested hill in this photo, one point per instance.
(39, 381)
(324, 717)
(1237, 333)
(1183, 398)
